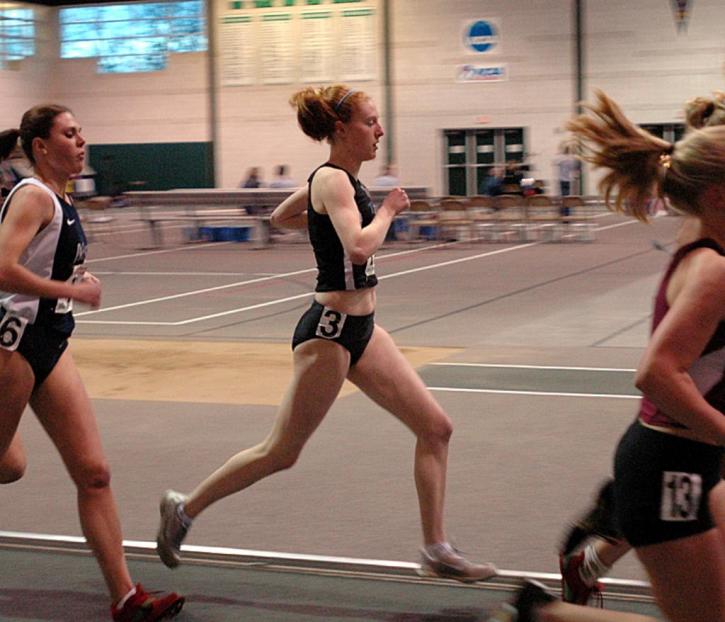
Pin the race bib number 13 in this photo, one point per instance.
(12, 328)
(681, 494)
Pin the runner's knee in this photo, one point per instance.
(439, 431)
(93, 476)
(12, 470)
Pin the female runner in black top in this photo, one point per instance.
(337, 337)
(669, 498)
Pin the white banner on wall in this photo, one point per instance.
(482, 73)
(482, 35)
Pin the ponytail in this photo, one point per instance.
(8, 142)
(640, 165)
(636, 160)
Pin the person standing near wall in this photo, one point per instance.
(568, 167)
(337, 337)
(668, 497)
(42, 271)
(282, 178)
(491, 184)
(387, 178)
(253, 179)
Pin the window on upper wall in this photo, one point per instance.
(17, 33)
(132, 37)
(470, 154)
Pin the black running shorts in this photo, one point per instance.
(352, 332)
(39, 344)
(661, 485)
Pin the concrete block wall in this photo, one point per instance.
(632, 50)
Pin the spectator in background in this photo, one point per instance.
(282, 179)
(387, 178)
(568, 168)
(512, 178)
(491, 185)
(253, 179)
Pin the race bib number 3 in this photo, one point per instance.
(12, 328)
(681, 494)
(331, 323)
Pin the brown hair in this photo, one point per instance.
(36, 123)
(641, 165)
(318, 109)
(8, 142)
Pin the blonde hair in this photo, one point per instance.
(318, 109)
(703, 112)
(640, 165)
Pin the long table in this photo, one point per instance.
(239, 197)
(245, 207)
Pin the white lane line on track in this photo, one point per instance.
(31, 539)
(270, 302)
(558, 367)
(184, 274)
(540, 393)
(219, 287)
(181, 249)
(160, 251)
(297, 297)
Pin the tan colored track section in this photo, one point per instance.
(198, 371)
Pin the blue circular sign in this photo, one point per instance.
(481, 36)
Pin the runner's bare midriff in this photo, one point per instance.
(357, 302)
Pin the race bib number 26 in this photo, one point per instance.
(12, 328)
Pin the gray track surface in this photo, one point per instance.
(521, 464)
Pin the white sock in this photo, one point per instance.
(122, 602)
(592, 568)
(434, 550)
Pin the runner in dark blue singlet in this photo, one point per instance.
(42, 272)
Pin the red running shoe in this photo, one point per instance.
(145, 607)
(573, 588)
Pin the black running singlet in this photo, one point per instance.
(335, 270)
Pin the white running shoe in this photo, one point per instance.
(172, 529)
(445, 562)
